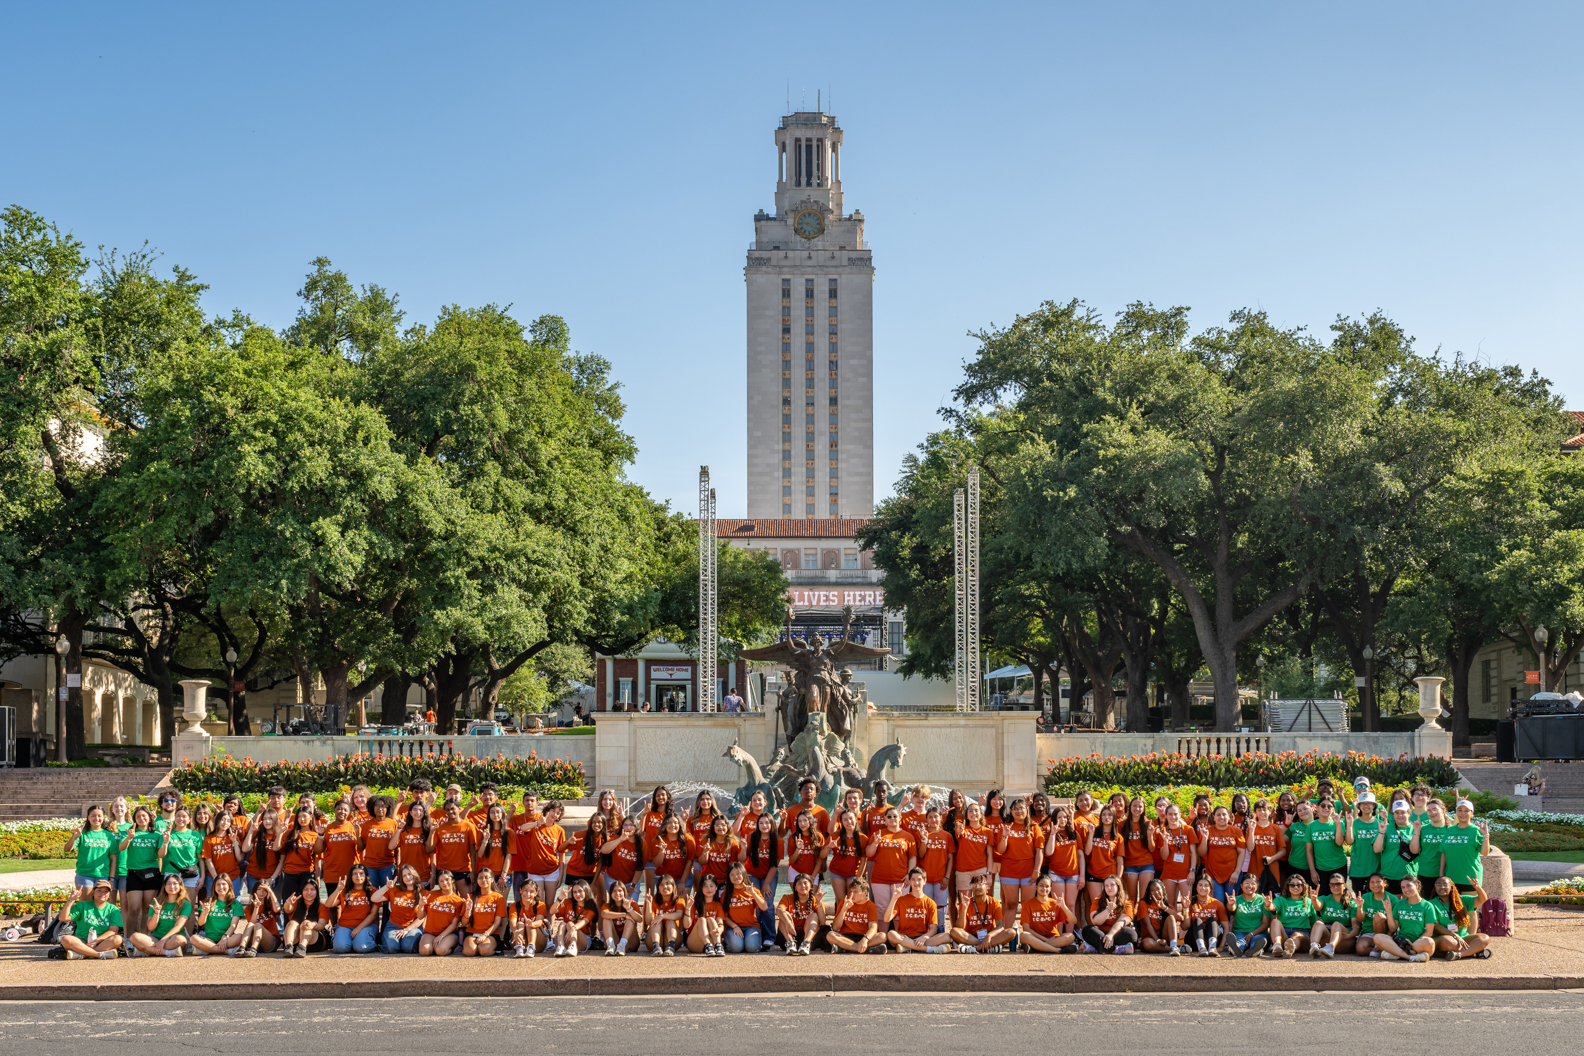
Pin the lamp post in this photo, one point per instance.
(1541, 636)
(62, 647)
(1372, 709)
(231, 659)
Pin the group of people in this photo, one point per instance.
(433, 876)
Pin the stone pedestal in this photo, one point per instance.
(1498, 881)
(192, 743)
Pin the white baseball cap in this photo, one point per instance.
(1361, 782)
(1365, 797)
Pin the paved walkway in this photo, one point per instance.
(1546, 954)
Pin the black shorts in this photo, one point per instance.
(186, 873)
(292, 884)
(1360, 884)
(143, 880)
(1394, 886)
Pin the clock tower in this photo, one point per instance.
(810, 281)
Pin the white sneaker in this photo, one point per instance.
(965, 948)
(528, 952)
(1175, 951)
(73, 955)
(173, 953)
(1375, 953)
(1418, 958)
(572, 950)
(1328, 951)
(560, 951)
(107, 955)
(519, 951)
(621, 948)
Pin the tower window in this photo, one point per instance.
(786, 419)
(786, 471)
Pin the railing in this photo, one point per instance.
(405, 747)
(1226, 745)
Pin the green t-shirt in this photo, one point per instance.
(161, 824)
(93, 852)
(182, 853)
(1413, 921)
(1330, 857)
(143, 851)
(169, 912)
(121, 829)
(1332, 911)
(1295, 914)
(1446, 911)
(1363, 858)
(1247, 913)
(1373, 906)
(1462, 848)
(1297, 836)
(1428, 863)
(218, 922)
(86, 916)
(1392, 866)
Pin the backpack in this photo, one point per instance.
(1493, 919)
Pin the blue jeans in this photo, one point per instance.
(344, 941)
(766, 916)
(748, 942)
(392, 944)
(379, 877)
(1224, 892)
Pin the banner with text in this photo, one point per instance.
(802, 598)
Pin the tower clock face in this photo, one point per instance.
(809, 223)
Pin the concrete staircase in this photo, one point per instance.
(28, 794)
(1564, 793)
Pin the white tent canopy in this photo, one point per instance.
(1008, 672)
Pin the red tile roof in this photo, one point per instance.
(1578, 441)
(790, 528)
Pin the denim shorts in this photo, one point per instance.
(1057, 878)
(90, 881)
(1135, 870)
(1027, 881)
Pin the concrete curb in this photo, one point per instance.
(775, 983)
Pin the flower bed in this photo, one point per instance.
(548, 777)
(25, 903)
(1256, 770)
(1569, 892)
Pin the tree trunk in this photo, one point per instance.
(1038, 671)
(1178, 697)
(1134, 638)
(393, 704)
(76, 742)
(1223, 672)
(1460, 658)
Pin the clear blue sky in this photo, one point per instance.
(604, 163)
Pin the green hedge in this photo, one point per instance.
(224, 774)
(1257, 770)
(42, 844)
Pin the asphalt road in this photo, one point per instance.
(1447, 1024)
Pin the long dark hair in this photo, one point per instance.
(300, 910)
(955, 816)
(261, 847)
(1127, 828)
(654, 800)
(423, 826)
(698, 895)
(775, 841)
(493, 832)
(1004, 813)
(590, 847)
(848, 843)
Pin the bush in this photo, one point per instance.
(224, 774)
(571, 731)
(1529, 840)
(32, 900)
(49, 843)
(1256, 770)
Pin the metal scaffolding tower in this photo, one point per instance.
(708, 643)
(965, 551)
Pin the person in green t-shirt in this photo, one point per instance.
(96, 925)
(222, 920)
(1428, 864)
(165, 924)
(1298, 842)
(180, 850)
(1295, 914)
(96, 851)
(1248, 934)
(1414, 921)
(1370, 913)
(1363, 826)
(1398, 833)
(1460, 937)
(1338, 920)
(120, 821)
(1462, 846)
(166, 817)
(1327, 833)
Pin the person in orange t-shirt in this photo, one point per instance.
(1020, 850)
(583, 858)
(719, 851)
(622, 916)
(1158, 922)
(1103, 852)
(856, 926)
(486, 923)
(808, 788)
(1267, 848)
(974, 848)
(444, 914)
(1138, 849)
(1221, 849)
(980, 915)
(357, 917)
(891, 854)
(912, 919)
(1110, 928)
(410, 844)
(704, 921)
(222, 851)
(916, 821)
(374, 840)
(844, 853)
(1207, 916)
(405, 897)
(1181, 845)
(748, 818)
(454, 845)
(530, 920)
(650, 822)
(664, 914)
(536, 855)
(744, 902)
(935, 850)
(1044, 920)
(671, 852)
(1064, 856)
(872, 818)
(338, 845)
(494, 844)
(801, 913)
(576, 916)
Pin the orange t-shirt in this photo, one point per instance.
(256, 871)
(1103, 854)
(1042, 917)
(934, 849)
(859, 916)
(973, 849)
(376, 843)
(712, 909)
(915, 915)
(872, 820)
(670, 857)
(699, 827)
(454, 846)
(984, 918)
(569, 910)
(411, 850)
(742, 911)
(657, 907)
(524, 912)
(403, 906)
(789, 817)
(1222, 853)
(576, 864)
(803, 851)
(492, 851)
(745, 824)
(441, 912)
(1126, 908)
(1023, 841)
(650, 825)
(518, 824)
(890, 862)
(299, 850)
(624, 861)
(1176, 844)
(540, 850)
(759, 865)
(1137, 852)
(997, 826)
(340, 851)
(1211, 910)
(915, 823)
(222, 851)
(487, 909)
(354, 908)
(1148, 913)
(717, 858)
(799, 914)
(1268, 841)
(1065, 854)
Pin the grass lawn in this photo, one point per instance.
(1571, 857)
(30, 865)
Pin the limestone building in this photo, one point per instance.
(810, 337)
